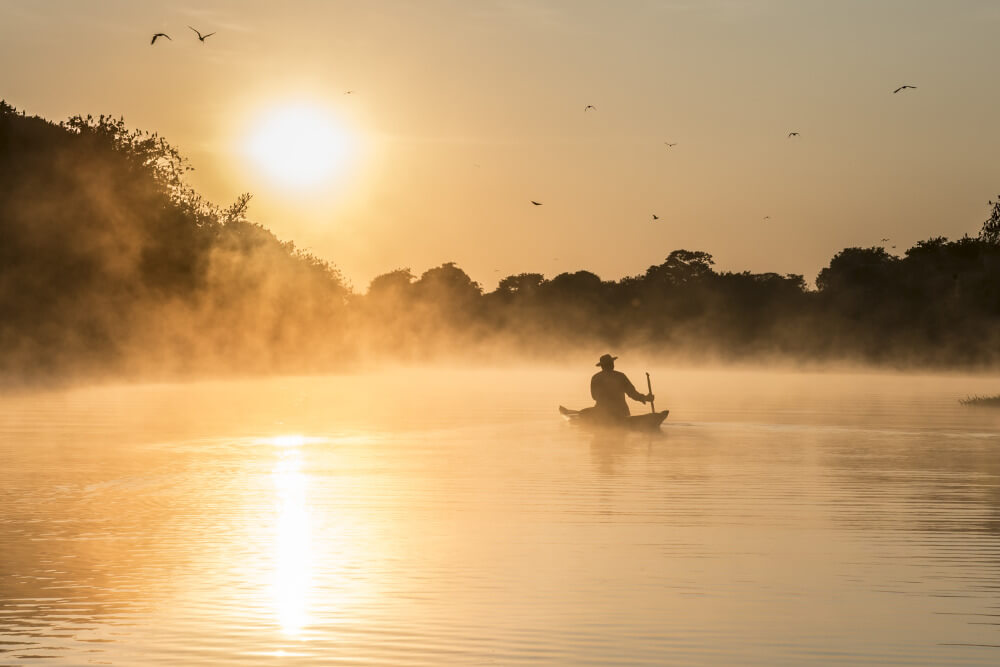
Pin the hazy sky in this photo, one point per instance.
(463, 111)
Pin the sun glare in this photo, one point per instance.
(299, 146)
(292, 581)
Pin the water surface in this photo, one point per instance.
(451, 517)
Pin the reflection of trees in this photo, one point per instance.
(929, 482)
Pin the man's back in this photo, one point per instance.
(608, 389)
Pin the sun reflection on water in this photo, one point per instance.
(290, 440)
(292, 583)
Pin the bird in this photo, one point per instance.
(656, 217)
(884, 241)
(159, 34)
(903, 88)
(348, 92)
(792, 134)
(589, 107)
(536, 203)
(767, 217)
(201, 37)
(668, 144)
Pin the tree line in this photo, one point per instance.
(938, 305)
(111, 263)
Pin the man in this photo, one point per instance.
(609, 387)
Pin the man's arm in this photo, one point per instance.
(632, 393)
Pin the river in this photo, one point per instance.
(450, 516)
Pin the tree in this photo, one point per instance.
(991, 228)
(522, 284)
(447, 285)
(856, 269)
(394, 283)
(682, 267)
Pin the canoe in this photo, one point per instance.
(647, 422)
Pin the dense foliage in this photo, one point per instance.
(938, 305)
(110, 263)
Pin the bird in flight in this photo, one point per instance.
(536, 203)
(159, 34)
(885, 241)
(903, 88)
(589, 107)
(348, 92)
(656, 217)
(668, 144)
(201, 37)
(767, 217)
(792, 134)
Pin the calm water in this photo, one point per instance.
(428, 518)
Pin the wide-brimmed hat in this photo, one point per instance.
(605, 359)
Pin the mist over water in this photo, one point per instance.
(215, 448)
(445, 514)
(112, 266)
(449, 516)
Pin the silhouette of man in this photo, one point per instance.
(609, 388)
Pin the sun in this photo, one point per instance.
(299, 146)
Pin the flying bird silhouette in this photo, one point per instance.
(201, 37)
(348, 92)
(536, 203)
(792, 134)
(884, 241)
(656, 217)
(159, 34)
(589, 107)
(903, 88)
(668, 144)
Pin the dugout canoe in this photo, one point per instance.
(647, 422)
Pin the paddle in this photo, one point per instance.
(649, 386)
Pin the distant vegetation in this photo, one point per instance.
(110, 263)
(981, 401)
(939, 305)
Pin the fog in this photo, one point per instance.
(111, 266)
(446, 515)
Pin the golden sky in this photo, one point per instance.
(464, 111)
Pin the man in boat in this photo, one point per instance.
(609, 388)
